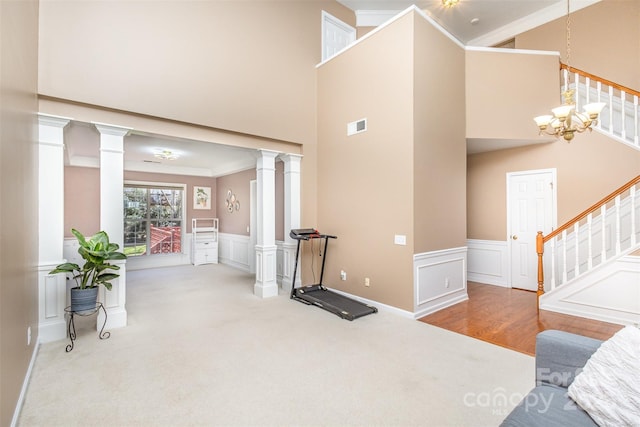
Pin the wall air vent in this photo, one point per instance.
(356, 127)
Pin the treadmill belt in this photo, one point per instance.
(334, 302)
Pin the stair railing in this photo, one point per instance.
(597, 234)
(620, 118)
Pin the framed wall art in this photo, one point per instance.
(201, 197)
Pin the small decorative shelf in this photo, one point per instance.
(204, 241)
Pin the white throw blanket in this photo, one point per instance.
(608, 388)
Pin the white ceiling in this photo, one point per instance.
(498, 20)
(196, 158)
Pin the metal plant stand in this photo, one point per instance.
(71, 327)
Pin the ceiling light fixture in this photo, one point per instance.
(566, 121)
(166, 155)
(449, 3)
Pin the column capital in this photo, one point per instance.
(291, 162)
(53, 121)
(292, 157)
(114, 130)
(266, 159)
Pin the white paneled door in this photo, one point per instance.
(336, 35)
(530, 208)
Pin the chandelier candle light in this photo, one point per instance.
(566, 121)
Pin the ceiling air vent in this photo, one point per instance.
(356, 127)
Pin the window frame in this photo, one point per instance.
(183, 210)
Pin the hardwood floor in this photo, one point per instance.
(509, 318)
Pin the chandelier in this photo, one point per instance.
(566, 121)
(449, 3)
(166, 155)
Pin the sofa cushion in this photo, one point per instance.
(607, 388)
(548, 406)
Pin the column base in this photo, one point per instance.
(263, 290)
(116, 318)
(266, 285)
(52, 331)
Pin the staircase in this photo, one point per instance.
(620, 119)
(590, 266)
(592, 262)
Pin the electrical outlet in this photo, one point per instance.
(366, 281)
(29, 336)
(446, 282)
(343, 275)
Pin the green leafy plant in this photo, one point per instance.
(96, 251)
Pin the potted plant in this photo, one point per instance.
(96, 252)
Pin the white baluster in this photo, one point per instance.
(617, 224)
(565, 76)
(564, 257)
(603, 217)
(576, 78)
(636, 137)
(576, 233)
(632, 196)
(587, 87)
(599, 95)
(623, 107)
(611, 109)
(589, 242)
(554, 243)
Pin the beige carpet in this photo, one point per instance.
(201, 349)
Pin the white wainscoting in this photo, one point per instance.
(440, 280)
(609, 293)
(488, 262)
(233, 250)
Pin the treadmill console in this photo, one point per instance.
(308, 233)
(304, 233)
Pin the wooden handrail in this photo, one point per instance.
(541, 239)
(591, 209)
(599, 79)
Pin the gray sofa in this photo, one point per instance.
(560, 356)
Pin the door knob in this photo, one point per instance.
(514, 237)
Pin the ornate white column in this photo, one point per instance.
(291, 217)
(266, 250)
(52, 288)
(112, 217)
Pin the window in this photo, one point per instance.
(153, 219)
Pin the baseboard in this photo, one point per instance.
(448, 303)
(25, 384)
(380, 306)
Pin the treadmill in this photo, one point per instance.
(317, 294)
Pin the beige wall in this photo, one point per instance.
(406, 174)
(19, 192)
(224, 64)
(505, 90)
(605, 40)
(81, 200)
(439, 151)
(590, 166)
(365, 181)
